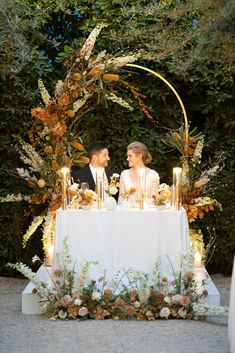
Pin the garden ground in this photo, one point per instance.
(36, 334)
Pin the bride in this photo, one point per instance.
(138, 156)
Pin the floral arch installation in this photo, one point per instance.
(186, 125)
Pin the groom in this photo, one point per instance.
(99, 157)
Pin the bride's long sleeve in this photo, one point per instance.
(154, 186)
(122, 189)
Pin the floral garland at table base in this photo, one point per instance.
(143, 298)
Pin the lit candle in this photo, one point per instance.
(64, 187)
(197, 259)
(141, 186)
(50, 252)
(99, 186)
(177, 176)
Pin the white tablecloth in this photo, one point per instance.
(231, 319)
(122, 239)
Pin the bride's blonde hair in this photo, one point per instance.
(140, 148)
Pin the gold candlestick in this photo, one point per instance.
(177, 176)
(99, 186)
(141, 187)
(64, 187)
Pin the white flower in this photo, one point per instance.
(36, 222)
(40, 285)
(80, 102)
(204, 200)
(44, 94)
(96, 296)
(176, 297)
(167, 300)
(83, 311)
(182, 312)
(59, 88)
(90, 42)
(62, 314)
(74, 187)
(23, 173)
(163, 187)
(111, 96)
(113, 190)
(48, 228)
(35, 258)
(203, 308)
(137, 304)
(123, 60)
(165, 312)
(77, 301)
(149, 313)
(14, 198)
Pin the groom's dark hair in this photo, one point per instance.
(96, 148)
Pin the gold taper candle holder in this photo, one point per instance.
(141, 202)
(177, 179)
(65, 179)
(99, 186)
(141, 187)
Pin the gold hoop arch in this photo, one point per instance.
(173, 90)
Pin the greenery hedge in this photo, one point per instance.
(189, 42)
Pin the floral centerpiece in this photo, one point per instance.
(129, 194)
(142, 298)
(112, 188)
(163, 196)
(81, 197)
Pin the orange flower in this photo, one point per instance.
(84, 159)
(188, 275)
(48, 149)
(73, 312)
(55, 165)
(63, 101)
(77, 76)
(58, 272)
(130, 311)
(38, 112)
(95, 72)
(45, 197)
(133, 295)
(164, 279)
(111, 77)
(77, 146)
(185, 301)
(201, 182)
(119, 302)
(70, 113)
(107, 294)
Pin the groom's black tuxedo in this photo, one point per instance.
(84, 175)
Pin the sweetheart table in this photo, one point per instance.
(123, 239)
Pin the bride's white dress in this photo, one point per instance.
(151, 183)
